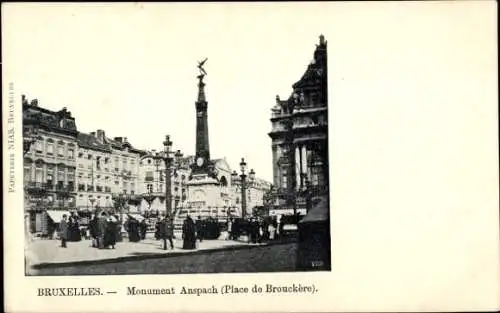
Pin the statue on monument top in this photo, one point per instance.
(203, 73)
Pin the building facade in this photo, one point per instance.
(152, 187)
(300, 136)
(49, 164)
(255, 193)
(107, 168)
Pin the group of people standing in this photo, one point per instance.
(257, 230)
(69, 229)
(104, 230)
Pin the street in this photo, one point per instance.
(274, 258)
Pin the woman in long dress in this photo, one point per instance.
(110, 234)
(133, 231)
(189, 234)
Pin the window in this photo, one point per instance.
(284, 181)
(60, 150)
(160, 188)
(149, 188)
(149, 176)
(132, 187)
(50, 148)
(50, 176)
(38, 146)
(38, 173)
(89, 156)
(71, 153)
(80, 155)
(27, 173)
(60, 176)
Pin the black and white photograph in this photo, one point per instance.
(170, 193)
(250, 156)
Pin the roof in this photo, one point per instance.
(90, 142)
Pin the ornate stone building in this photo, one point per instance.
(49, 164)
(300, 136)
(107, 168)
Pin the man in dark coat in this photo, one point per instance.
(64, 229)
(143, 227)
(101, 226)
(94, 231)
(167, 232)
(189, 233)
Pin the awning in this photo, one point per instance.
(56, 216)
(319, 212)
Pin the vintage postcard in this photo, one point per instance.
(250, 157)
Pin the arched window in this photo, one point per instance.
(223, 181)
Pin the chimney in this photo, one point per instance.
(34, 102)
(100, 135)
(125, 139)
(24, 100)
(119, 139)
(92, 134)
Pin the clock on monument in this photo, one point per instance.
(199, 161)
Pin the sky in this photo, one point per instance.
(413, 121)
(133, 74)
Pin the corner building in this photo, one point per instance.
(300, 135)
(49, 166)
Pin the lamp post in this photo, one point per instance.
(244, 184)
(168, 158)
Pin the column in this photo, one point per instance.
(309, 169)
(275, 165)
(297, 166)
(304, 160)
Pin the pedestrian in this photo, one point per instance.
(64, 229)
(167, 232)
(230, 229)
(254, 230)
(101, 226)
(133, 230)
(189, 233)
(200, 231)
(271, 230)
(93, 230)
(143, 228)
(110, 234)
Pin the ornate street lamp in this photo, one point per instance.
(170, 169)
(167, 145)
(244, 184)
